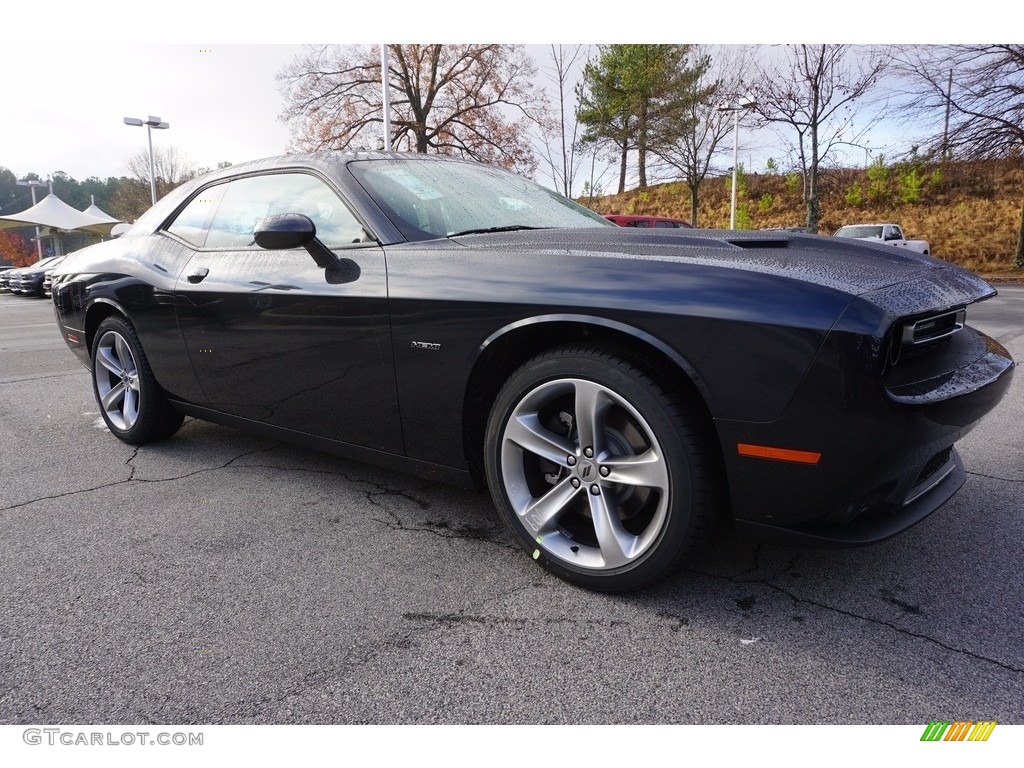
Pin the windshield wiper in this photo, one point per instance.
(486, 230)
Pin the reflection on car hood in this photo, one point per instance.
(845, 265)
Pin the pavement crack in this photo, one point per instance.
(64, 495)
(868, 619)
(377, 495)
(226, 465)
(444, 530)
(996, 477)
(128, 463)
(757, 561)
(382, 491)
(132, 479)
(901, 630)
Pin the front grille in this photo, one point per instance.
(933, 328)
(925, 334)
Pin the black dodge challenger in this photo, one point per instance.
(617, 390)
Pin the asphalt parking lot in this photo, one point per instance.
(223, 578)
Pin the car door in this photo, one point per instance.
(269, 337)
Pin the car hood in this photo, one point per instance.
(846, 265)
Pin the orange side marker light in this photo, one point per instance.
(778, 454)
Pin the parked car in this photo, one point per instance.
(647, 222)
(5, 276)
(8, 279)
(48, 279)
(29, 280)
(616, 390)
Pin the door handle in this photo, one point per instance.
(198, 275)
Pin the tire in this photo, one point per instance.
(606, 479)
(131, 402)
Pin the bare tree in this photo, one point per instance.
(707, 127)
(971, 96)
(172, 167)
(475, 101)
(813, 93)
(560, 136)
(132, 197)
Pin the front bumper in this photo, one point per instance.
(886, 449)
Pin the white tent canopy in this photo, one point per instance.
(99, 213)
(53, 212)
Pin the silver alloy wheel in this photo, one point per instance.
(117, 380)
(585, 474)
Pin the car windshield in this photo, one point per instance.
(430, 199)
(860, 231)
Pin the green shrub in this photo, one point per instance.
(855, 195)
(743, 219)
(766, 202)
(911, 185)
(741, 181)
(794, 186)
(878, 180)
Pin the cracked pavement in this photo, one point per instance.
(223, 578)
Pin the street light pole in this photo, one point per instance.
(743, 105)
(150, 123)
(735, 165)
(34, 184)
(385, 91)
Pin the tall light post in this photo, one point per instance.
(386, 92)
(151, 122)
(34, 184)
(741, 106)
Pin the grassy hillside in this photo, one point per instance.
(969, 212)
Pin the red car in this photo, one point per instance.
(648, 222)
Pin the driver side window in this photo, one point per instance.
(225, 215)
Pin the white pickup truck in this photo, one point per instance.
(890, 234)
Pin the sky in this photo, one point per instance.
(66, 92)
(221, 102)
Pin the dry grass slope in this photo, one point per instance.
(969, 212)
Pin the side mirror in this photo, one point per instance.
(294, 230)
(285, 230)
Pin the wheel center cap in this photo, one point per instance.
(586, 471)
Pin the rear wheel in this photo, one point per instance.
(132, 404)
(602, 475)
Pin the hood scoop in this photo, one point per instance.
(762, 243)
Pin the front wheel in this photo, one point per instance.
(132, 404)
(604, 477)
